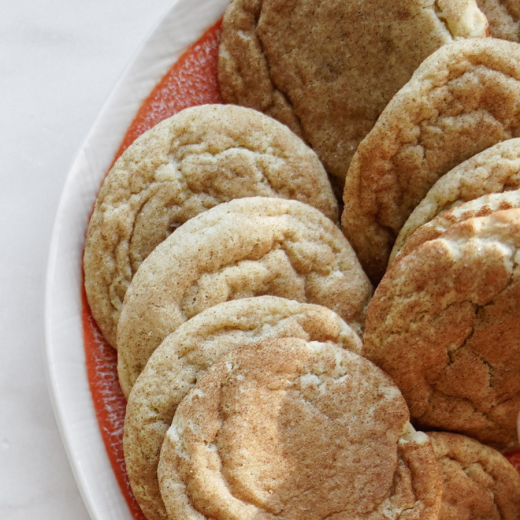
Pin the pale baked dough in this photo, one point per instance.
(480, 207)
(444, 323)
(495, 170)
(298, 430)
(478, 482)
(460, 101)
(243, 248)
(327, 69)
(503, 17)
(180, 360)
(185, 165)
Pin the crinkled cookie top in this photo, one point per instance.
(180, 360)
(460, 101)
(330, 79)
(189, 163)
(296, 430)
(243, 248)
(480, 207)
(495, 170)
(503, 17)
(478, 482)
(444, 324)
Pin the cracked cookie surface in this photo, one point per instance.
(180, 360)
(189, 163)
(480, 207)
(444, 324)
(495, 170)
(329, 80)
(296, 430)
(461, 100)
(243, 248)
(503, 17)
(478, 482)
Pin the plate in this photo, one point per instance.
(184, 23)
(65, 355)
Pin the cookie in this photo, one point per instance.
(495, 170)
(480, 207)
(444, 324)
(243, 248)
(503, 17)
(329, 81)
(189, 163)
(293, 429)
(460, 101)
(478, 482)
(183, 357)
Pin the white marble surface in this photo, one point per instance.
(59, 60)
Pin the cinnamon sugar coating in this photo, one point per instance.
(291, 429)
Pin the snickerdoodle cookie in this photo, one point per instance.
(461, 100)
(444, 323)
(480, 207)
(185, 165)
(243, 248)
(180, 360)
(503, 17)
(327, 69)
(478, 482)
(495, 170)
(291, 429)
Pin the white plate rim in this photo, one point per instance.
(183, 23)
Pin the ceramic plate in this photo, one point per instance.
(67, 378)
(183, 24)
